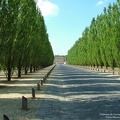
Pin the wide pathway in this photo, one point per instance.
(79, 94)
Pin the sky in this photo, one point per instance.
(66, 20)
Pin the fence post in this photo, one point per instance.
(5, 117)
(44, 78)
(41, 82)
(33, 93)
(118, 72)
(24, 103)
(38, 86)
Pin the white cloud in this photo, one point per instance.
(47, 8)
(100, 2)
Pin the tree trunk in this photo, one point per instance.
(19, 69)
(9, 75)
(26, 70)
(9, 71)
(34, 68)
(30, 68)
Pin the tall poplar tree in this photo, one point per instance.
(100, 44)
(9, 13)
(24, 41)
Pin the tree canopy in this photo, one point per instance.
(100, 42)
(24, 41)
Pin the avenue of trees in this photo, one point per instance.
(100, 43)
(24, 42)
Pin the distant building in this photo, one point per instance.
(60, 59)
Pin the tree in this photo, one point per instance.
(100, 44)
(9, 12)
(24, 39)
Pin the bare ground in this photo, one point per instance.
(68, 94)
(79, 94)
(11, 95)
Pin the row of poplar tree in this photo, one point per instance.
(100, 43)
(24, 42)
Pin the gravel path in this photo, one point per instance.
(11, 94)
(77, 94)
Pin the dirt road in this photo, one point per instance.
(77, 94)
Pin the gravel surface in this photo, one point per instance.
(11, 95)
(70, 93)
(77, 94)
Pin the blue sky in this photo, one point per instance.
(66, 20)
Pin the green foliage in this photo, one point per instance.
(100, 43)
(24, 40)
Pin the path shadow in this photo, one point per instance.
(77, 94)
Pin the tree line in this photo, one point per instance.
(24, 41)
(100, 42)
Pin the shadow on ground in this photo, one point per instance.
(79, 94)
